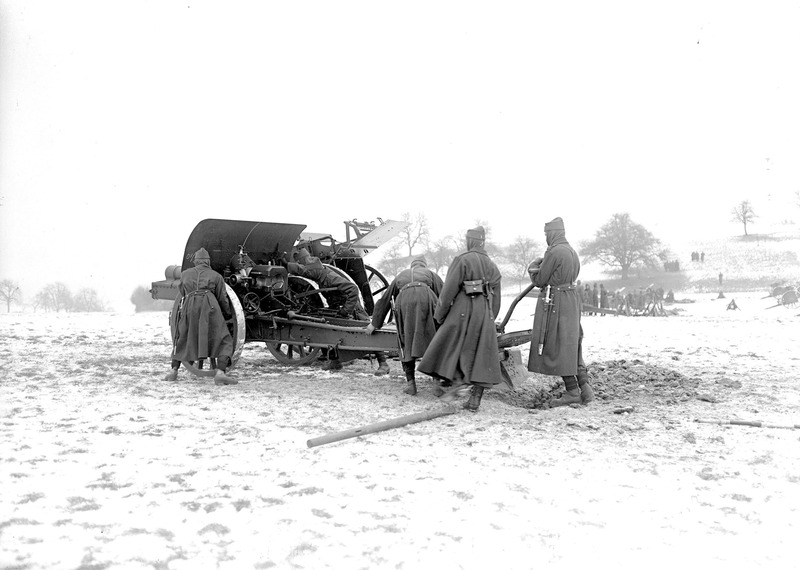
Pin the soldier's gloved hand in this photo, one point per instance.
(498, 327)
(370, 329)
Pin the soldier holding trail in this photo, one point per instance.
(200, 330)
(556, 344)
(413, 293)
(464, 349)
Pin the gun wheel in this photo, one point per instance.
(293, 354)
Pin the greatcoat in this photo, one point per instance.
(200, 329)
(464, 348)
(344, 293)
(416, 291)
(561, 354)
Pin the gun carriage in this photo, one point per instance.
(786, 296)
(292, 315)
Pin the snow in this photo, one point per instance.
(105, 465)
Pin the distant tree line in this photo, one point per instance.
(53, 297)
(620, 244)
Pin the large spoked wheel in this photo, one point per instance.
(789, 299)
(292, 354)
(377, 284)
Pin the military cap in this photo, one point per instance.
(201, 254)
(553, 225)
(477, 233)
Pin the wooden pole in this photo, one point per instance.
(381, 426)
(748, 423)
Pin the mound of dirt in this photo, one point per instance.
(620, 381)
(629, 379)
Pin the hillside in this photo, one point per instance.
(747, 264)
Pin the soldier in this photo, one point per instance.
(415, 292)
(464, 348)
(200, 329)
(241, 264)
(562, 349)
(344, 298)
(603, 298)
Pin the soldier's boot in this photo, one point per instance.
(172, 376)
(408, 368)
(383, 366)
(587, 393)
(572, 395)
(474, 401)
(456, 389)
(221, 379)
(333, 364)
(437, 388)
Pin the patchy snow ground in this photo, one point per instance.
(105, 466)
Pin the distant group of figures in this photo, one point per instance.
(635, 301)
(701, 256)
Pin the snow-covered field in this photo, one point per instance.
(105, 466)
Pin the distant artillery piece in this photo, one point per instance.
(649, 303)
(786, 296)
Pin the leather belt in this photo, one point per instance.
(413, 284)
(198, 292)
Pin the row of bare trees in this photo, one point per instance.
(620, 244)
(52, 297)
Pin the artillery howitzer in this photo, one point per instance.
(294, 317)
(785, 295)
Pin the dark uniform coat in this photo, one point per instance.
(200, 329)
(344, 298)
(464, 348)
(416, 291)
(559, 269)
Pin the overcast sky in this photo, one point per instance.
(123, 124)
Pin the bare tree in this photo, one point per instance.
(440, 253)
(417, 231)
(393, 261)
(56, 296)
(622, 243)
(743, 213)
(519, 255)
(88, 301)
(42, 299)
(10, 293)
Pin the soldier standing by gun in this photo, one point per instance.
(557, 339)
(200, 329)
(464, 349)
(412, 296)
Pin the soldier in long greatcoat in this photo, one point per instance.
(199, 323)
(415, 292)
(464, 349)
(562, 351)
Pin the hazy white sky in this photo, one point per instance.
(123, 124)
